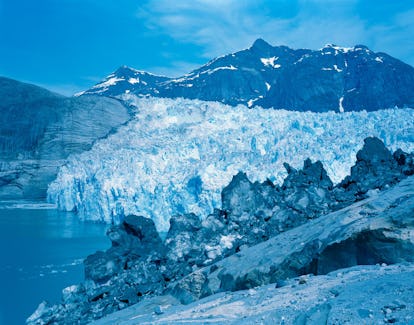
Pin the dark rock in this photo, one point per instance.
(405, 161)
(100, 266)
(312, 174)
(238, 196)
(308, 191)
(241, 197)
(40, 129)
(136, 234)
(182, 236)
(136, 238)
(375, 168)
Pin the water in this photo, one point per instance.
(41, 252)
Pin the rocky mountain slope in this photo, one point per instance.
(175, 156)
(265, 234)
(39, 129)
(331, 78)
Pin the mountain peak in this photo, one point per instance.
(360, 46)
(122, 70)
(330, 46)
(126, 69)
(261, 44)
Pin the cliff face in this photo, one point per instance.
(39, 129)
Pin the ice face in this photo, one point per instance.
(175, 156)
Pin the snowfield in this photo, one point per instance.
(175, 156)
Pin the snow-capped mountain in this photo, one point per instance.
(175, 156)
(331, 78)
(127, 80)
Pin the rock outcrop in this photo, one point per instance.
(375, 169)
(264, 234)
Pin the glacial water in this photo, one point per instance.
(41, 252)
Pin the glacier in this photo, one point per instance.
(176, 155)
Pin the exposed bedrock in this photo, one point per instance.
(136, 239)
(375, 168)
(376, 230)
(40, 129)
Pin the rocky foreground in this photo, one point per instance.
(304, 230)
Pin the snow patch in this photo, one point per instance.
(227, 241)
(335, 67)
(338, 48)
(193, 76)
(107, 83)
(104, 86)
(267, 86)
(133, 81)
(185, 78)
(341, 108)
(270, 62)
(79, 94)
(379, 59)
(230, 67)
(302, 58)
(251, 102)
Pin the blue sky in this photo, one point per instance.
(69, 45)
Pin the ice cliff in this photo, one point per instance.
(175, 156)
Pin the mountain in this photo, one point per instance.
(39, 129)
(331, 78)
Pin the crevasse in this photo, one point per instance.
(175, 156)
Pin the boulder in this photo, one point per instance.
(308, 191)
(375, 168)
(135, 239)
